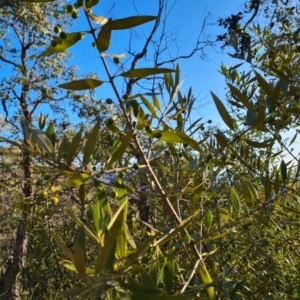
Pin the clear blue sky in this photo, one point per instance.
(184, 22)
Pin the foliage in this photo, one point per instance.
(194, 212)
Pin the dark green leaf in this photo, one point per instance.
(90, 143)
(119, 151)
(82, 84)
(130, 22)
(223, 112)
(144, 72)
(283, 171)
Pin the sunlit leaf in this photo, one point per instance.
(64, 44)
(97, 19)
(82, 84)
(223, 112)
(91, 3)
(205, 278)
(208, 219)
(103, 39)
(126, 23)
(144, 72)
(148, 105)
(78, 180)
(235, 200)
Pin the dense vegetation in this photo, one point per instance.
(189, 210)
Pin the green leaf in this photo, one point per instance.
(140, 288)
(50, 133)
(130, 22)
(97, 19)
(205, 278)
(119, 151)
(135, 106)
(64, 44)
(82, 84)
(103, 39)
(283, 170)
(106, 252)
(101, 209)
(221, 138)
(78, 260)
(67, 252)
(91, 3)
(73, 147)
(235, 200)
(223, 112)
(90, 143)
(268, 187)
(148, 105)
(78, 179)
(208, 219)
(262, 219)
(156, 102)
(263, 84)
(260, 118)
(144, 72)
(168, 273)
(37, 138)
(242, 98)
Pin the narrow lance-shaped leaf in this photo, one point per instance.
(144, 72)
(103, 39)
(223, 112)
(208, 219)
(168, 273)
(82, 84)
(148, 105)
(263, 84)
(91, 3)
(91, 143)
(117, 154)
(235, 200)
(64, 44)
(78, 260)
(242, 98)
(97, 19)
(283, 171)
(74, 146)
(130, 22)
(205, 278)
(50, 133)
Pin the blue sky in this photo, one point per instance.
(184, 21)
